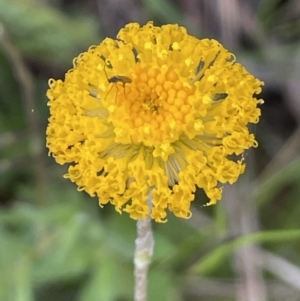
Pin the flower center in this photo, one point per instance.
(151, 103)
(153, 108)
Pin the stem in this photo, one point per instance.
(27, 89)
(144, 245)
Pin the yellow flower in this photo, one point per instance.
(155, 111)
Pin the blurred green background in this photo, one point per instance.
(57, 244)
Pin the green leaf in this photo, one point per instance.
(42, 32)
(23, 280)
(163, 9)
(268, 188)
(215, 258)
(109, 280)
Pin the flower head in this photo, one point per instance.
(155, 111)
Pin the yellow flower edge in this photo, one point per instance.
(155, 111)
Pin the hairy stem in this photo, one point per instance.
(144, 245)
